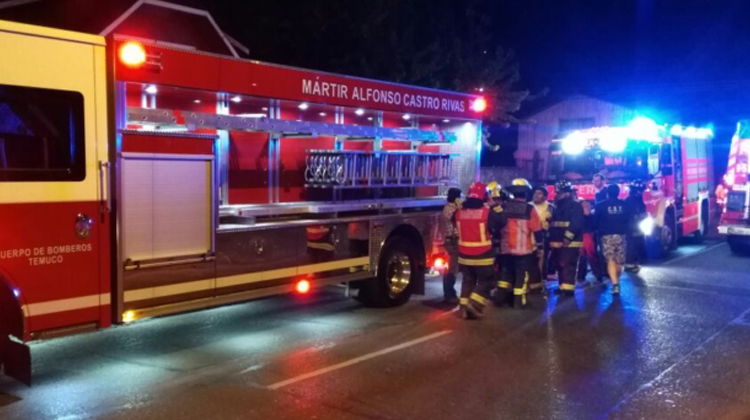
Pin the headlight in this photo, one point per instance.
(647, 225)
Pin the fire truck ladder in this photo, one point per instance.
(345, 169)
(165, 118)
(332, 169)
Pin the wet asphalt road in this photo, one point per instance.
(676, 345)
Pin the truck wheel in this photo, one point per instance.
(398, 272)
(738, 245)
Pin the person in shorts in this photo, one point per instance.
(612, 221)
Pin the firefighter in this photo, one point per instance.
(450, 233)
(544, 209)
(635, 238)
(496, 194)
(520, 222)
(566, 236)
(496, 200)
(476, 256)
(612, 222)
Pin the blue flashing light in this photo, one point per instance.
(614, 141)
(16, 293)
(643, 128)
(574, 143)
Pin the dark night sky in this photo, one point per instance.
(688, 59)
(681, 61)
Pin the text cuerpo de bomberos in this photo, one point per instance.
(45, 255)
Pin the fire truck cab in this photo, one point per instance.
(673, 161)
(141, 178)
(734, 194)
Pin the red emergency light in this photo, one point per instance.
(132, 54)
(303, 287)
(479, 105)
(439, 263)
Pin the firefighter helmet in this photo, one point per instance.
(494, 189)
(477, 190)
(638, 186)
(520, 186)
(563, 185)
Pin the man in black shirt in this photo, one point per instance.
(612, 223)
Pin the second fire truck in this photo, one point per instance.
(674, 161)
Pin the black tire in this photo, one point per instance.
(399, 271)
(664, 241)
(739, 245)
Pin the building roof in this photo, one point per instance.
(147, 19)
(539, 105)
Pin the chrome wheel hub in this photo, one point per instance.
(398, 273)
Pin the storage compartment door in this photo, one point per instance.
(167, 208)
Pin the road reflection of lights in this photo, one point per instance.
(552, 300)
(605, 301)
(580, 298)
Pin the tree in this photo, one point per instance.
(434, 43)
(444, 44)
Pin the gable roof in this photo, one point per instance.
(146, 19)
(538, 106)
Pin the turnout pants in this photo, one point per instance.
(476, 285)
(517, 269)
(567, 264)
(515, 277)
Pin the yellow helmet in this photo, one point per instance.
(521, 182)
(494, 189)
(520, 186)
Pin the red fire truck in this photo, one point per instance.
(674, 161)
(141, 178)
(735, 217)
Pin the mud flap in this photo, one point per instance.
(15, 358)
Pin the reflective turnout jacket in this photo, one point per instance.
(474, 237)
(520, 221)
(566, 225)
